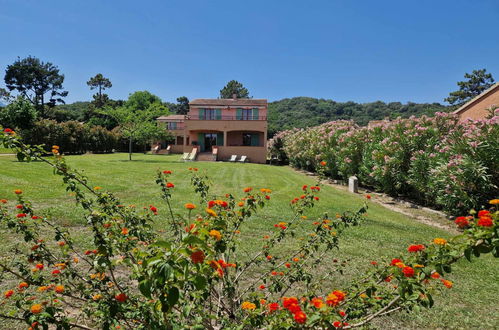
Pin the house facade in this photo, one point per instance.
(479, 107)
(222, 128)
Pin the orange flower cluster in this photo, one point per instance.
(335, 297)
(248, 305)
(416, 248)
(484, 219)
(190, 206)
(462, 222)
(55, 150)
(440, 241)
(217, 202)
(292, 305)
(215, 234)
(282, 225)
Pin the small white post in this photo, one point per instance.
(353, 184)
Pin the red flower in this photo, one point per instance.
(337, 324)
(304, 187)
(462, 222)
(408, 271)
(121, 297)
(35, 217)
(153, 209)
(167, 172)
(288, 301)
(267, 197)
(300, 317)
(395, 261)
(197, 256)
(7, 130)
(416, 248)
(323, 163)
(287, 264)
(273, 307)
(39, 266)
(483, 213)
(9, 293)
(170, 185)
(485, 222)
(342, 313)
(262, 287)
(374, 263)
(368, 196)
(21, 215)
(56, 272)
(316, 198)
(19, 206)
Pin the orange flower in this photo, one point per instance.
(36, 309)
(318, 302)
(39, 266)
(335, 297)
(296, 259)
(190, 206)
(211, 212)
(97, 188)
(247, 189)
(416, 248)
(494, 202)
(61, 243)
(18, 191)
(248, 305)
(435, 275)
(3, 201)
(323, 163)
(240, 204)
(170, 185)
(8, 293)
(261, 287)
(124, 231)
(368, 196)
(215, 234)
(440, 241)
(197, 256)
(59, 289)
(273, 307)
(23, 285)
(76, 260)
(447, 283)
(265, 191)
(408, 271)
(485, 222)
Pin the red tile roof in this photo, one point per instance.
(172, 117)
(228, 102)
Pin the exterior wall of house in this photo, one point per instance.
(255, 154)
(227, 111)
(478, 109)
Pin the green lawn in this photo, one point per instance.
(6, 150)
(470, 304)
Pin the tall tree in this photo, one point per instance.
(19, 114)
(137, 118)
(100, 83)
(232, 88)
(182, 106)
(33, 79)
(478, 81)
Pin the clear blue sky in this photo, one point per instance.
(344, 50)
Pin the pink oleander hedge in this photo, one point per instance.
(436, 161)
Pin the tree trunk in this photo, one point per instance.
(130, 149)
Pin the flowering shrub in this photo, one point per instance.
(436, 161)
(194, 276)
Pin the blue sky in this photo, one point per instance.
(344, 50)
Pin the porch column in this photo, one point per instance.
(225, 138)
(265, 138)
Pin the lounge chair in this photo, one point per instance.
(192, 155)
(185, 156)
(233, 158)
(243, 159)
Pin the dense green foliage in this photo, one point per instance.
(18, 114)
(32, 79)
(300, 112)
(436, 161)
(232, 88)
(478, 81)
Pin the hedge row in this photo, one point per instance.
(436, 161)
(72, 137)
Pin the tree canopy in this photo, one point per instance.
(33, 79)
(478, 81)
(234, 87)
(100, 83)
(20, 114)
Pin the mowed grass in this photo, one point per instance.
(472, 303)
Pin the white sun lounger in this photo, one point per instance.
(243, 159)
(233, 158)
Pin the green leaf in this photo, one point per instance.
(163, 244)
(200, 282)
(145, 288)
(173, 296)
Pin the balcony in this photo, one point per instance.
(214, 117)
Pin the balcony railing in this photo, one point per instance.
(175, 127)
(197, 117)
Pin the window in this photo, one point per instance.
(210, 114)
(247, 114)
(251, 139)
(172, 125)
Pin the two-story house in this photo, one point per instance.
(223, 127)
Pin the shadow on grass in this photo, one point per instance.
(158, 161)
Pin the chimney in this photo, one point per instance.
(234, 96)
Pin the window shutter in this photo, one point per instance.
(239, 114)
(255, 114)
(255, 140)
(201, 141)
(218, 114)
(201, 113)
(220, 139)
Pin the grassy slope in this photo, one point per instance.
(471, 303)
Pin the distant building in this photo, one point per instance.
(478, 108)
(220, 127)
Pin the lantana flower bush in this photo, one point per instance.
(437, 161)
(194, 274)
